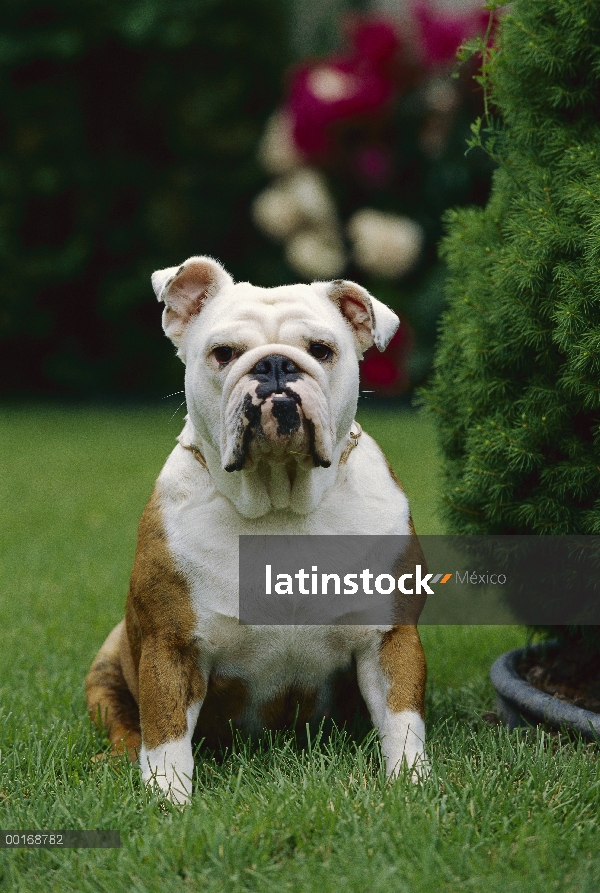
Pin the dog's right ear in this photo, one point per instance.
(185, 290)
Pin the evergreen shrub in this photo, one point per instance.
(516, 389)
(128, 132)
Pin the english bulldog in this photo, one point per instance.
(269, 446)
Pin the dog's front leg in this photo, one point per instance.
(391, 675)
(172, 689)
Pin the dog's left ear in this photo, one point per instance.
(371, 321)
(185, 290)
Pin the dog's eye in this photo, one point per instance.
(320, 351)
(223, 354)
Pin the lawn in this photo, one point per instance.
(500, 812)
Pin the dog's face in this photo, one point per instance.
(271, 374)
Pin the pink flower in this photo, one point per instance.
(443, 31)
(374, 40)
(357, 84)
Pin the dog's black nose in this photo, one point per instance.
(273, 374)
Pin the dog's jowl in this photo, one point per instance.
(270, 446)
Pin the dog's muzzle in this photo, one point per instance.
(280, 406)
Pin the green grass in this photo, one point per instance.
(500, 811)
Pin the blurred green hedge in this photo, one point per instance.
(127, 143)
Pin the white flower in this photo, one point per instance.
(299, 210)
(316, 254)
(441, 96)
(308, 189)
(385, 244)
(276, 212)
(298, 201)
(330, 85)
(277, 150)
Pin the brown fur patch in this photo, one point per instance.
(403, 664)
(401, 653)
(170, 682)
(129, 667)
(160, 625)
(295, 706)
(407, 608)
(150, 658)
(110, 702)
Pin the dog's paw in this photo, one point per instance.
(416, 766)
(174, 791)
(174, 788)
(173, 778)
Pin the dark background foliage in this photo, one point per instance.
(128, 131)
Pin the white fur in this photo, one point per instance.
(205, 510)
(403, 740)
(161, 278)
(171, 766)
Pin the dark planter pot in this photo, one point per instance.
(520, 704)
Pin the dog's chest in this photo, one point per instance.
(202, 529)
(267, 659)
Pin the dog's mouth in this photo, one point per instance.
(277, 412)
(275, 425)
(285, 410)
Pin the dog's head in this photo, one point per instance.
(271, 373)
